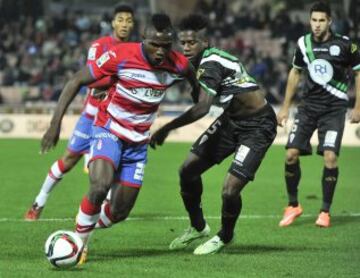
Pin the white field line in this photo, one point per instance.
(174, 218)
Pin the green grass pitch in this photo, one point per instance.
(138, 247)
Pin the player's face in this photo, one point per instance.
(123, 23)
(191, 44)
(157, 46)
(320, 24)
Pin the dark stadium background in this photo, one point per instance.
(42, 43)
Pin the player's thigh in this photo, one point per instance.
(105, 146)
(330, 131)
(105, 154)
(233, 185)
(131, 169)
(101, 173)
(301, 131)
(70, 159)
(216, 143)
(194, 165)
(254, 136)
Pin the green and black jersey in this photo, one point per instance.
(222, 75)
(328, 65)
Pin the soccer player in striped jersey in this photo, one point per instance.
(326, 60)
(246, 130)
(143, 72)
(79, 143)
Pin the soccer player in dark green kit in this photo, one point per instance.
(245, 130)
(325, 58)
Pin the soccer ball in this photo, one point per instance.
(63, 249)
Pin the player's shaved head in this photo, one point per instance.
(158, 38)
(159, 27)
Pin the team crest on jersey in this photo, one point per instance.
(161, 77)
(199, 73)
(334, 50)
(92, 54)
(321, 71)
(99, 144)
(103, 59)
(353, 47)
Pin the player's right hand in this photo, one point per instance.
(158, 137)
(50, 138)
(282, 116)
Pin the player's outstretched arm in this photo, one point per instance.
(292, 83)
(51, 136)
(355, 113)
(195, 113)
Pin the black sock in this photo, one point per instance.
(292, 178)
(230, 212)
(329, 180)
(191, 194)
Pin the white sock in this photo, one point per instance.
(105, 217)
(86, 219)
(86, 160)
(54, 176)
(108, 196)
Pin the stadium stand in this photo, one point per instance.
(42, 45)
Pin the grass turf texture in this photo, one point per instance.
(139, 247)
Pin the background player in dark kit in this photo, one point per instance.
(325, 59)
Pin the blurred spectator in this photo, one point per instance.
(43, 50)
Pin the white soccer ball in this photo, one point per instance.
(63, 249)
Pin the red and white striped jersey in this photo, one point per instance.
(131, 108)
(97, 48)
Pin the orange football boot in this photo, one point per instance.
(290, 214)
(33, 213)
(323, 220)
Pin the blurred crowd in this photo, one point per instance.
(44, 49)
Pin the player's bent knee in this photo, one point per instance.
(69, 160)
(184, 172)
(99, 188)
(330, 159)
(97, 194)
(292, 156)
(120, 214)
(230, 195)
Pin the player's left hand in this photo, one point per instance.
(158, 137)
(355, 116)
(50, 138)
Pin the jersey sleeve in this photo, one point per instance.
(180, 61)
(105, 65)
(355, 56)
(94, 53)
(209, 75)
(298, 58)
(103, 83)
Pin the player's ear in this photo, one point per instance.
(206, 43)
(143, 34)
(113, 23)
